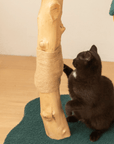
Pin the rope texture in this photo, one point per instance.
(48, 70)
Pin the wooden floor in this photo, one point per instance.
(17, 88)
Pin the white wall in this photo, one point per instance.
(87, 22)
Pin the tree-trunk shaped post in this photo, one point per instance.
(49, 68)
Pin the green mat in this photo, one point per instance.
(111, 12)
(31, 130)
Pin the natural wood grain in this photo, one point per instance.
(49, 57)
(17, 88)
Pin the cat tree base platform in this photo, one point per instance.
(31, 129)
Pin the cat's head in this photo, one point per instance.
(88, 62)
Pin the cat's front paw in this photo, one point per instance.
(71, 118)
(64, 66)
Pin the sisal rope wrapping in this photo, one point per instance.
(49, 70)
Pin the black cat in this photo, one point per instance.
(92, 94)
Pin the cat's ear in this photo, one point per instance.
(93, 48)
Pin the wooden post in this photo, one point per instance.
(49, 68)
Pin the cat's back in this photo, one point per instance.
(106, 85)
(107, 89)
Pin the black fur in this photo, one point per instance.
(92, 94)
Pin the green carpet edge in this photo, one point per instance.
(80, 133)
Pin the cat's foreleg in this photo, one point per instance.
(72, 118)
(71, 106)
(67, 70)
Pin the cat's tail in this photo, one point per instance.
(67, 70)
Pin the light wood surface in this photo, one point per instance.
(49, 57)
(17, 88)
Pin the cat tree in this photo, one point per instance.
(49, 68)
(111, 12)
